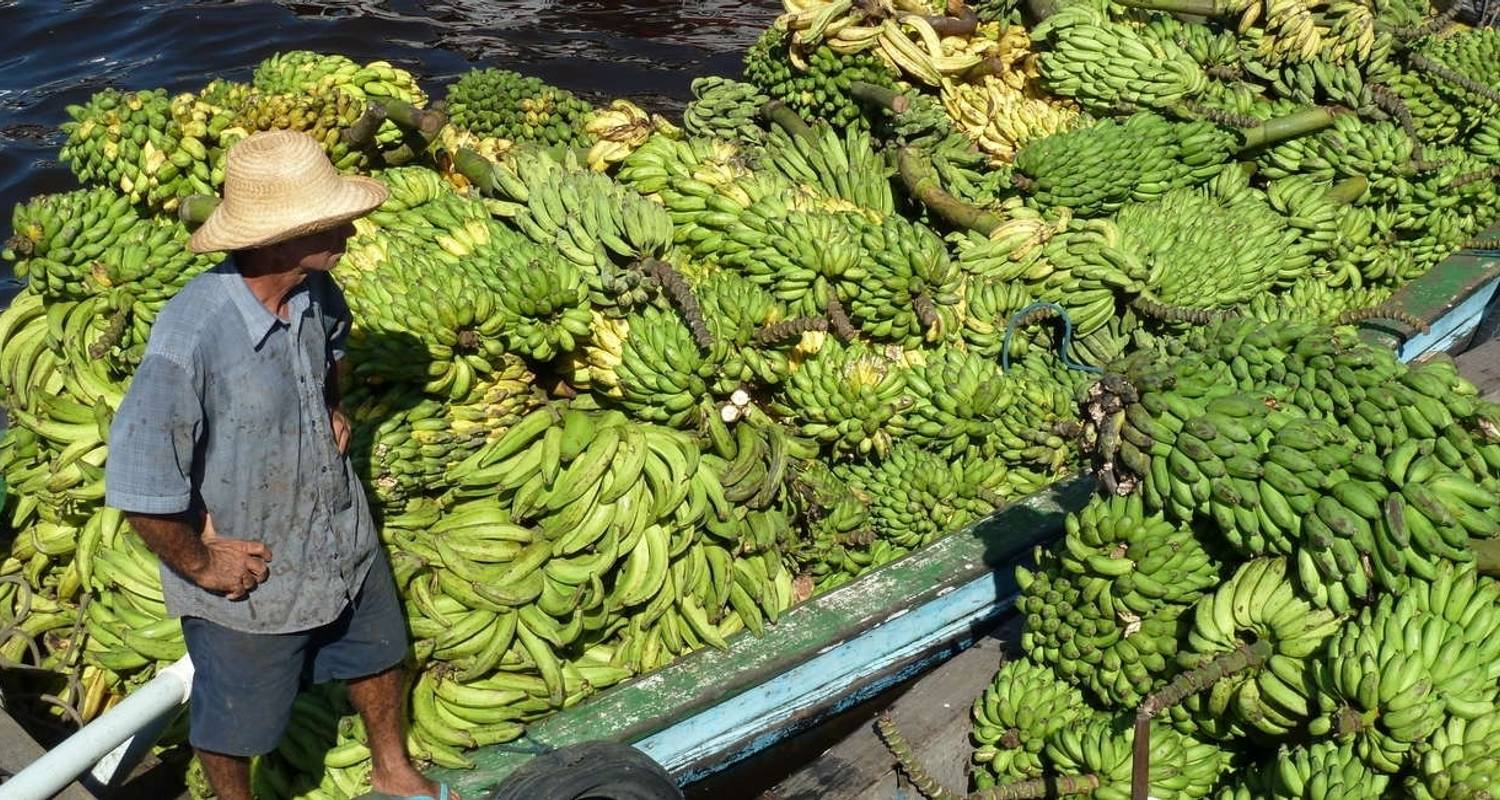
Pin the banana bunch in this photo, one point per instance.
(507, 105)
(1113, 656)
(753, 339)
(958, 396)
(67, 447)
(1447, 207)
(1133, 578)
(1320, 771)
(1460, 760)
(1429, 109)
(132, 142)
(1391, 677)
(1348, 83)
(809, 260)
(421, 201)
(209, 112)
(1097, 169)
(835, 22)
(1032, 429)
(1313, 209)
(35, 619)
(584, 497)
(707, 187)
(839, 543)
(814, 83)
(56, 446)
(1002, 119)
(1127, 562)
(56, 237)
(844, 167)
(1104, 64)
(322, 112)
(618, 129)
(91, 247)
(849, 398)
(1294, 30)
(989, 304)
(305, 72)
(1181, 235)
(1257, 610)
(912, 293)
(1453, 76)
(591, 220)
(1182, 767)
(129, 631)
(725, 108)
(758, 459)
(1379, 152)
(1024, 706)
(1143, 158)
(1213, 47)
(544, 303)
(453, 140)
(1485, 141)
(404, 442)
(43, 553)
(425, 320)
(661, 375)
(1311, 299)
(915, 496)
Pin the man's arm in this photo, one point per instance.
(230, 567)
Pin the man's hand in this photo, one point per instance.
(341, 430)
(231, 567)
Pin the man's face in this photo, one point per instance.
(319, 252)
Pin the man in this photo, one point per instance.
(228, 457)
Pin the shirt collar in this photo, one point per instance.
(259, 322)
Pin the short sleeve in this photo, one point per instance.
(152, 440)
(336, 319)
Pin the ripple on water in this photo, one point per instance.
(54, 54)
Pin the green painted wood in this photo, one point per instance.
(646, 705)
(1443, 288)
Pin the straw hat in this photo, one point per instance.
(279, 185)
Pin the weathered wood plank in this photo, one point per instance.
(933, 713)
(1482, 366)
(18, 749)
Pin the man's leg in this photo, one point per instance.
(366, 650)
(243, 688)
(380, 701)
(229, 775)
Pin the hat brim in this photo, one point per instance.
(230, 228)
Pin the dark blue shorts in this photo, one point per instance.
(244, 683)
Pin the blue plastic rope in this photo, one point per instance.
(1063, 347)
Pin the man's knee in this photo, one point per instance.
(243, 689)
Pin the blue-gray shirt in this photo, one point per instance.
(228, 414)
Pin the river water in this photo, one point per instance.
(53, 53)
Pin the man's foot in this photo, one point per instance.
(408, 783)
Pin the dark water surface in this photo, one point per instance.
(53, 53)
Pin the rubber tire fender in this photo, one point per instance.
(592, 771)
